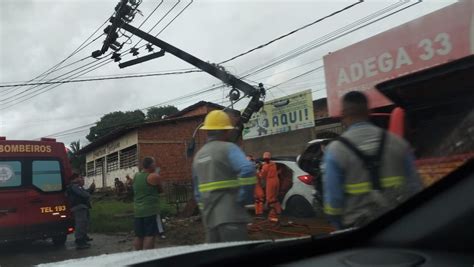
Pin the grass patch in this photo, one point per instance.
(110, 215)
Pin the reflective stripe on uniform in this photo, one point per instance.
(248, 180)
(201, 205)
(227, 184)
(218, 185)
(365, 187)
(332, 211)
(392, 181)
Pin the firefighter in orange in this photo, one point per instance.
(269, 174)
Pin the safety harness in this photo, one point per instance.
(371, 163)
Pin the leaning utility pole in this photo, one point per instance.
(123, 16)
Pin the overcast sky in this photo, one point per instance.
(35, 35)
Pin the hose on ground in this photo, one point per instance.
(272, 227)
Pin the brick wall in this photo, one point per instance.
(167, 143)
(433, 169)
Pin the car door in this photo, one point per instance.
(47, 204)
(12, 199)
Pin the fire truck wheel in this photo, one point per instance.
(59, 240)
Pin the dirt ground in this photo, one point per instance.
(187, 231)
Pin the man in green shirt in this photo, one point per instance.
(146, 189)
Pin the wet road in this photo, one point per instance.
(179, 232)
(29, 254)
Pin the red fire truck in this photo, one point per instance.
(33, 177)
(421, 74)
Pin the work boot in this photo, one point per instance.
(82, 244)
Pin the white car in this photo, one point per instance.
(297, 191)
(310, 161)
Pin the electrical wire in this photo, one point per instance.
(292, 32)
(107, 78)
(213, 88)
(175, 17)
(36, 86)
(45, 89)
(319, 41)
(54, 68)
(146, 19)
(75, 130)
(169, 23)
(159, 21)
(25, 91)
(295, 77)
(182, 11)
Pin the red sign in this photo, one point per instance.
(431, 40)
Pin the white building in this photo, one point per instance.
(115, 159)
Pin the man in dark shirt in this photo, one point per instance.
(119, 186)
(79, 199)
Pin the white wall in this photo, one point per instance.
(113, 146)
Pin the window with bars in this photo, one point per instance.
(99, 166)
(90, 168)
(112, 162)
(128, 157)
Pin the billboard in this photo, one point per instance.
(289, 113)
(432, 40)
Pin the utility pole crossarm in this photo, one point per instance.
(213, 70)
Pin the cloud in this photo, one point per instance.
(36, 35)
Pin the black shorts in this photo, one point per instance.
(146, 226)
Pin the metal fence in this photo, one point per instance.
(178, 192)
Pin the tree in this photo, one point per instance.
(115, 120)
(157, 113)
(78, 161)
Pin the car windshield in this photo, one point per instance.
(190, 122)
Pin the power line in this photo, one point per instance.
(292, 32)
(108, 75)
(78, 68)
(29, 89)
(142, 24)
(249, 74)
(319, 41)
(55, 67)
(171, 21)
(295, 77)
(106, 78)
(146, 19)
(86, 127)
(39, 92)
(36, 86)
(282, 61)
(159, 21)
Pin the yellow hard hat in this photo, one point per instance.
(217, 120)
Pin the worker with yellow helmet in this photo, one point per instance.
(224, 181)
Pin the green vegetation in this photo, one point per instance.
(122, 119)
(110, 215)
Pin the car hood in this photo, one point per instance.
(135, 257)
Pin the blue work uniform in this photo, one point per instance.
(349, 198)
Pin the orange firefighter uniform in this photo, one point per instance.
(269, 172)
(259, 195)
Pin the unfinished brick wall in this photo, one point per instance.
(167, 143)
